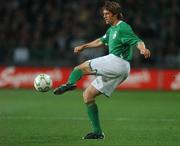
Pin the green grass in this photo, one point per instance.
(129, 118)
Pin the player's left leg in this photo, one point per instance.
(92, 110)
(75, 76)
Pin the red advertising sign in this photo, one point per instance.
(141, 79)
(23, 77)
(171, 80)
(17, 77)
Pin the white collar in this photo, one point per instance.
(118, 22)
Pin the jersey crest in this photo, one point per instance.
(115, 34)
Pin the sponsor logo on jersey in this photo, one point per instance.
(115, 34)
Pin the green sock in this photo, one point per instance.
(92, 111)
(75, 75)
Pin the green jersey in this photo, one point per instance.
(121, 40)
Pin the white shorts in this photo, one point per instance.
(111, 71)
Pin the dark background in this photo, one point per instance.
(44, 32)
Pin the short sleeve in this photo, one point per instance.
(105, 38)
(129, 37)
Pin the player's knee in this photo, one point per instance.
(84, 67)
(77, 68)
(87, 96)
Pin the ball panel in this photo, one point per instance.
(43, 83)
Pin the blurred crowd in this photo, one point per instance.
(44, 32)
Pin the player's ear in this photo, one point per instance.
(116, 15)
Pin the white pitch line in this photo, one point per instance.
(84, 119)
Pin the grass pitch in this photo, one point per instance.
(128, 118)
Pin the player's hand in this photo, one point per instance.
(78, 49)
(145, 52)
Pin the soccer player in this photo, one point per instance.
(112, 69)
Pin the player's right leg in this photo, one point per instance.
(92, 111)
(75, 76)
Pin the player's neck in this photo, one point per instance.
(116, 22)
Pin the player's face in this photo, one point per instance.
(109, 17)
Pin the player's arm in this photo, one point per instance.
(143, 50)
(131, 38)
(94, 44)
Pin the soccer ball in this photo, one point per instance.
(43, 83)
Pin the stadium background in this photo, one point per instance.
(44, 32)
(39, 35)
